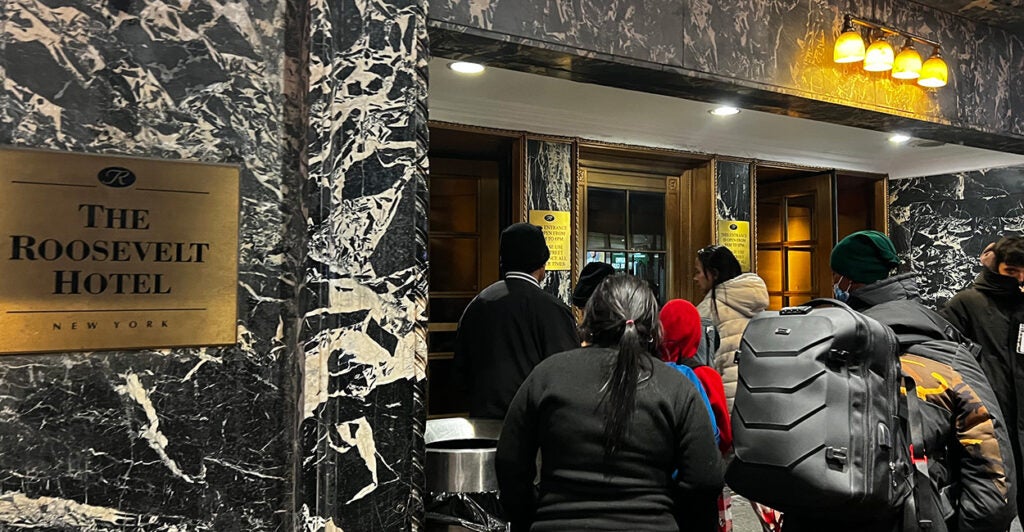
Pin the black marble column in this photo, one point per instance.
(940, 224)
(174, 439)
(549, 183)
(732, 190)
(364, 300)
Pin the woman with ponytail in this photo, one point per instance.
(626, 442)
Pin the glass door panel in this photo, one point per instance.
(800, 271)
(769, 267)
(606, 219)
(651, 268)
(626, 228)
(798, 218)
(769, 223)
(646, 220)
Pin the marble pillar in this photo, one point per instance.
(940, 224)
(549, 183)
(164, 439)
(732, 190)
(365, 272)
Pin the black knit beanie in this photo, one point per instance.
(522, 248)
(590, 277)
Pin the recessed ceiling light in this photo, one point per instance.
(724, 110)
(465, 67)
(899, 138)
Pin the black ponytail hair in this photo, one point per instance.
(623, 313)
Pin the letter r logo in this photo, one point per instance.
(116, 176)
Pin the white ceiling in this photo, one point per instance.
(506, 99)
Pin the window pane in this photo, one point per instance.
(798, 218)
(453, 204)
(606, 218)
(453, 264)
(774, 302)
(769, 267)
(647, 220)
(651, 268)
(799, 271)
(769, 227)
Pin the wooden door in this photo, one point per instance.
(463, 261)
(795, 235)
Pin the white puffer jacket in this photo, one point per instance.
(738, 300)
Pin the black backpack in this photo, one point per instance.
(818, 422)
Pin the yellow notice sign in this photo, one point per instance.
(558, 234)
(735, 235)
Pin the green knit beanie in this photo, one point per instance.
(864, 257)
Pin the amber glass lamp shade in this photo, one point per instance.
(849, 47)
(879, 56)
(934, 72)
(907, 64)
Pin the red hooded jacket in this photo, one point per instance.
(681, 334)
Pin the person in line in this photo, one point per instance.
(988, 257)
(511, 325)
(682, 335)
(991, 313)
(965, 438)
(591, 276)
(624, 439)
(731, 299)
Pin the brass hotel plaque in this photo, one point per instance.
(100, 253)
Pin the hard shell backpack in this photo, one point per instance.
(817, 416)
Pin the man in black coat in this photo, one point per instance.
(991, 313)
(511, 326)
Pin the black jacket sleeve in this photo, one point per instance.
(516, 459)
(957, 315)
(560, 332)
(465, 343)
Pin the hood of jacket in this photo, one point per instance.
(746, 294)
(913, 323)
(895, 288)
(996, 284)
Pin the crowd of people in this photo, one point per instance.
(623, 422)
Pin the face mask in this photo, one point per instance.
(839, 293)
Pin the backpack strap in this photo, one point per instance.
(923, 510)
(690, 362)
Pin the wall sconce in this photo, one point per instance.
(879, 56)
